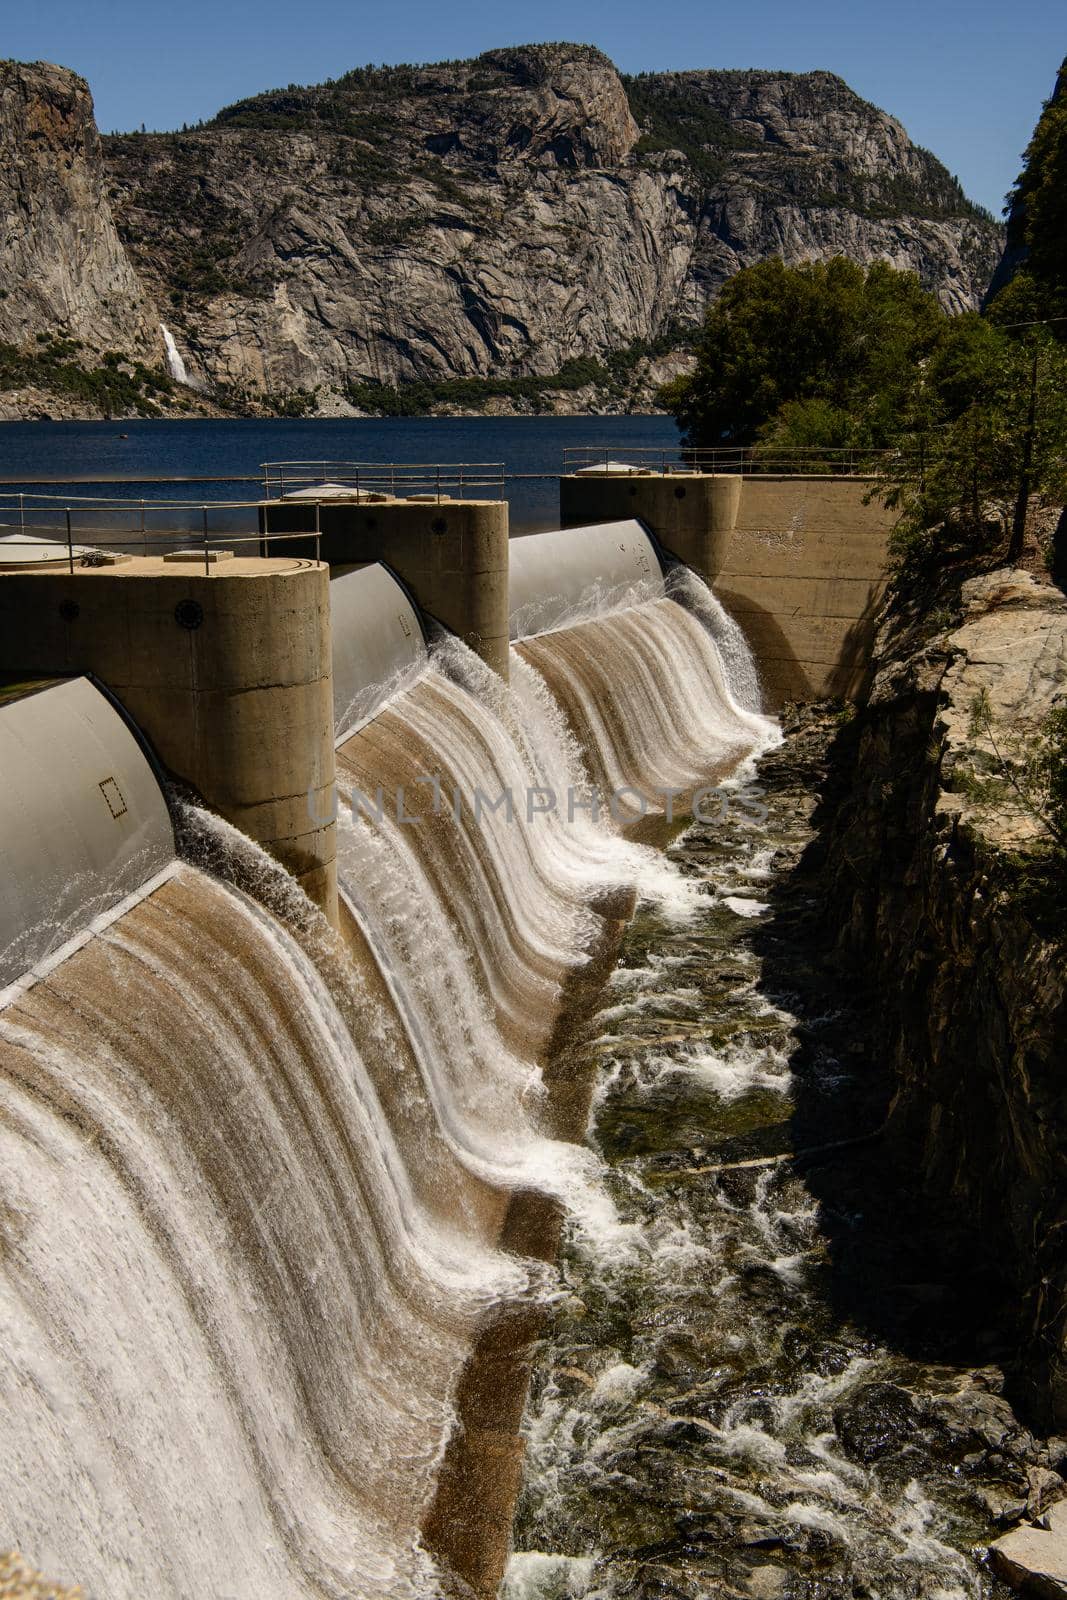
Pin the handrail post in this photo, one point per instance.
(22, 513)
(70, 545)
(144, 532)
(318, 530)
(207, 558)
(438, 470)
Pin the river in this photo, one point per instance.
(741, 1394)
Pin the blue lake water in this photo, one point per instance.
(109, 456)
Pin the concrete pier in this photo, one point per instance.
(228, 674)
(451, 554)
(800, 562)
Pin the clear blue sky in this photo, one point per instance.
(966, 77)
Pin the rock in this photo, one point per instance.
(937, 906)
(1003, 1504)
(766, 1583)
(572, 1381)
(500, 217)
(1034, 1559)
(1045, 1487)
(62, 265)
(874, 1421)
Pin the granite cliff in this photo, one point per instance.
(515, 217)
(947, 908)
(62, 267)
(528, 229)
(79, 332)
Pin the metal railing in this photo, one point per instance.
(801, 461)
(477, 480)
(85, 530)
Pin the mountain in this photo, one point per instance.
(79, 333)
(527, 229)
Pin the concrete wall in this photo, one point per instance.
(451, 554)
(377, 639)
(800, 562)
(83, 823)
(555, 576)
(228, 675)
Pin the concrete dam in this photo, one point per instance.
(310, 867)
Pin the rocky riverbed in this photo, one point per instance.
(769, 1382)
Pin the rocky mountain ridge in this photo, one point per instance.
(526, 230)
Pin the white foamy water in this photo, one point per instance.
(175, 364)
(224, 1308)
(254, 1177)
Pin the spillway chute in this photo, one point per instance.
(83, 821)
(557, 578)
(377, 642)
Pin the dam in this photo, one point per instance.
(317, 879)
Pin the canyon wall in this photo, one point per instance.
(949, 906)
(63, 268)
(503, 217)
(524, 231)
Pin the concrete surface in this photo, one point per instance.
(799, 561)
(227, 673)
(554, 576)
(83, 822)
(377, 637)
(451, 554)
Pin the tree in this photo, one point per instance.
(1037, 222)
(830, 333)
(986, 421)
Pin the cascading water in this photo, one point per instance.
(175, 363)
(287, 1160)
(265, 1344)
(705, 1417)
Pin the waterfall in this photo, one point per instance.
(265, 1344)
(648, 697)
(254, 1173)
(175, 364)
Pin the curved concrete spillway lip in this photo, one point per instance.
(554, 578)
(377, 643)
(84, 825)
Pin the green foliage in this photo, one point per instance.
(675, 115)
(420, 398)
(671, 119)
(1038, 221)
(294, 403)
(202, 233)
(1025, 769)
(967, 420)
(832, 332)
(117, 387)
(828, 357)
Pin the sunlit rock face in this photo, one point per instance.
(503, 216)
(62, 266)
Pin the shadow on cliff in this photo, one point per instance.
(912, 1280)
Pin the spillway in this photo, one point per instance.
(255, 1173)
(83, 824)
(653, 678)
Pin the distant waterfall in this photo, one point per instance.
(175, 364)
